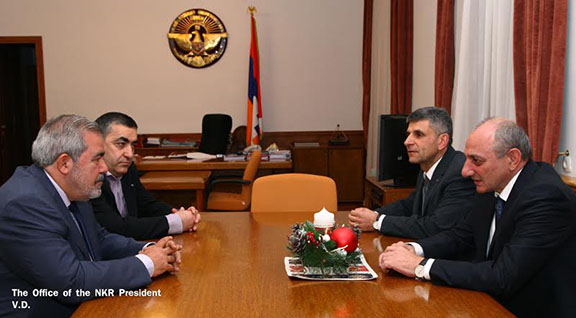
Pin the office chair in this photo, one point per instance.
(232, 201)
(215, 133)
(294, 192)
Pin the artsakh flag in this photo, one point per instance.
(254, 123)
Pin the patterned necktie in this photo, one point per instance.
(116, 188)
(498, 208)
(425, 184)
(78, 217)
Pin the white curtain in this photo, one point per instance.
(380, 90)
(484, 79)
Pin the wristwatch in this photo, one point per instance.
(419, 271)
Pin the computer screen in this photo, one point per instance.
(393, 157)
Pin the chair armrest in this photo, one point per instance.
(228, 175)
(219, 181)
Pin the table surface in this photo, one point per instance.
(213, 164)
(234, 266)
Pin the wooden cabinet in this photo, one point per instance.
(312, 160)
(570, 181)
(379, 193)
(344, 164)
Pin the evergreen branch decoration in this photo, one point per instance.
(317, 250)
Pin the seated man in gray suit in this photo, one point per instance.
(442, 195)
(49, 239)
(522, 229)
(125, 207)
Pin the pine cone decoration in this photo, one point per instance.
(297, 240)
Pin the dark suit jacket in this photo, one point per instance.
(146, 215)
(448, 200)
(532, 265)
(41, 247)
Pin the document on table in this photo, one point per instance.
(359, 271)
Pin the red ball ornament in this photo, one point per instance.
(345, 236)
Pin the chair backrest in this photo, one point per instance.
(294, 192)
(215, 133)
(250, 174)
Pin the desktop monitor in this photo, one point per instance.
(393, 157)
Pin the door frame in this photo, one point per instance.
(37, 41)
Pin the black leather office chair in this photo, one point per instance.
(215, 133)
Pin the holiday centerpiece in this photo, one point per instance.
(323, 251)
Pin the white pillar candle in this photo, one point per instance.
(324, 219)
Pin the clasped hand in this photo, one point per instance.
(401, 258)
(165, 255)
(190, 218)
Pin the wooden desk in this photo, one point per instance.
(233, 267)
(178, 180)
(570, 181)
(214, 164)
(380, 193)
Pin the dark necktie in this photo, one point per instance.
(425, 184)
(79, 220)
(499, 207)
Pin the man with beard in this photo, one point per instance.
(49, 239)
(442, 195)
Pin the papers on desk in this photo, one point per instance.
(153, 157)
(235, 158)
(200, 155)
(177, 156)
(360, 271)
(153, 140)
(177, 142)
(277, 155)
(280, 155)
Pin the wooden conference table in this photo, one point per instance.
(234, 267)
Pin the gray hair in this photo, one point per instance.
(509, 135)
(62, 134)
(438, 118)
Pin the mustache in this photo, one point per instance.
(100, 178)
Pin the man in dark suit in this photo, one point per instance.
(442, 195)
(522, 229)
(125, 207)
(49, 240)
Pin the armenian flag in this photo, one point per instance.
(254, 123)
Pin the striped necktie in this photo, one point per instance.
(79, 220)
(499, 207)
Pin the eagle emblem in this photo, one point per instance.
(197, 38)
